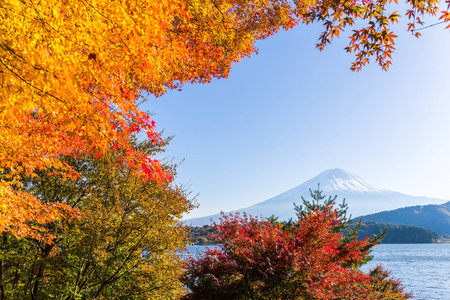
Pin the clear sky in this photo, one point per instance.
(290, 112)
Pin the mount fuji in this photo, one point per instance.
(362, 198)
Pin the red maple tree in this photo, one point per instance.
(307, 259)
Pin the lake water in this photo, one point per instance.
(423, 268)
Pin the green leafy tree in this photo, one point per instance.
(124, 247)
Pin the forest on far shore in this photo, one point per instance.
(396, 234)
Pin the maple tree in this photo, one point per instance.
(72, 73)
(125, 246)
(308, 259)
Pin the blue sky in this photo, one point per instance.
(291, 112)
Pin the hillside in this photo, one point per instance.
(398, 234)
(432, 217)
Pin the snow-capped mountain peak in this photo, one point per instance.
(335, 180)
(362, 198)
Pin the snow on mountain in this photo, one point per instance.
(362, 198)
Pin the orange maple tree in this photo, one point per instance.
(72, 73)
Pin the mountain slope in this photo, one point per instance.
(363, 198)
(398, 234)
(432, 217)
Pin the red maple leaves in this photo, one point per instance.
(257, 259)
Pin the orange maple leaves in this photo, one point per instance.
(69, 87)
(72, 72)
(446, 14)
(24, 216)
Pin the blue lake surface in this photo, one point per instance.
(423, 268)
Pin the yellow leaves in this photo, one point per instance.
(304, 6)
(72, 71)
(84, 65)
(69, 79)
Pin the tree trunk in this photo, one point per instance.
(40, 274)
(2, 288)
(2, 271)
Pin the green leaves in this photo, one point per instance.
(125, 245)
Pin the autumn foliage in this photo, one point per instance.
(125, 246)
(72, 74)
(309, 259)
